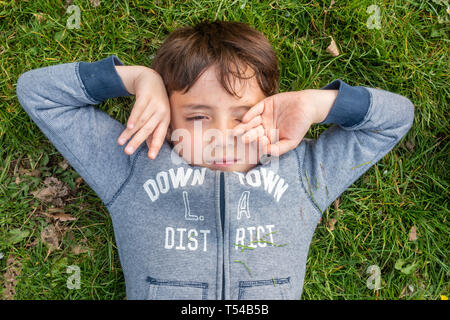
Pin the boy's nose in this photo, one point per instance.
(226, 129)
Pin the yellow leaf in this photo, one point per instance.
(332, 48)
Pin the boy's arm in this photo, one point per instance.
(60, 99)
(367, 124)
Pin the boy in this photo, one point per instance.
(190, 227)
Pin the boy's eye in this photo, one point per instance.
(195, 118)
(202, 117)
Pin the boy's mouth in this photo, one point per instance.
(223, 162)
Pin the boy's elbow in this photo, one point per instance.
(409, 113)
(26, 88)
(22, 84)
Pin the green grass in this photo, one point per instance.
(408, 187)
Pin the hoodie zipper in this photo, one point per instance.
(222, 219)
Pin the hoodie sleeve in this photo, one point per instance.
(60, 99)
(367, 124)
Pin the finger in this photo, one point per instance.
(263, 143)
(254, 111)
(138, 124)
(141, 135)
(138, 109)
(253, 134)
(148, 141)
(243, 127)
(158, 138)
(281, 147)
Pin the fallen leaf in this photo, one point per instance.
(63, 164)
(399, 265)
(13, 268)
(50, 236)
(27, 172)
(32, 244)
(332, 48)
(17, 235)
(95, 3)
(38, 16)
(53, 192)
(336, 207)
(410, 146)
(78, 249)
(331, 224)
(58, 214)
(413, 234)
(78, 181)
(403, 292)
(61, 216)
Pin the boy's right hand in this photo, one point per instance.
(150, 116)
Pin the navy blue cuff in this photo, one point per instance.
(351, 104)
(101, 80)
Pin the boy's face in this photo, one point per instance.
(215, 113)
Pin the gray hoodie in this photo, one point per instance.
(189, 232)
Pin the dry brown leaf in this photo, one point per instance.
(95, 3)
(332, 48)
(50, 236)
(59, 214)
(78, 249)
(53, 192)
(39, 16)
(336, 207)
(331, 224)
(402, 293)
(13, 268)
(410, 145)
(78, 181)
(32, 244)
(63, 164)
(413, 234)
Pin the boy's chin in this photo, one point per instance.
(243, 167)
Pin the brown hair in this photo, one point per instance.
(190, 50)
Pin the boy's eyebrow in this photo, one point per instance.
(195, 106)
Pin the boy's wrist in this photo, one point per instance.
(128, 75)
(323, 101)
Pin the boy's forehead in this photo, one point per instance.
(207, 90)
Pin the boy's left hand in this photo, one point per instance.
(285, 118)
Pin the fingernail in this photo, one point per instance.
(122, 140)
(129, 149)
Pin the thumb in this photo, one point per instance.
(281, 147)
